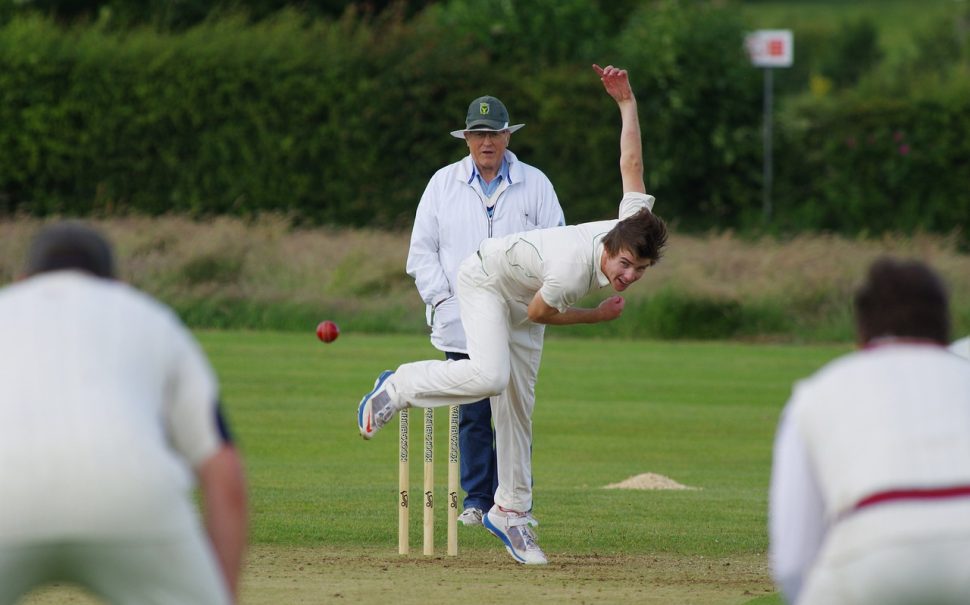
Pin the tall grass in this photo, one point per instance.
(267, 273)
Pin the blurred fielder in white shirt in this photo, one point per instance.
(870, 489)
(109, 414)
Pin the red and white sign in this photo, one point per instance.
(770, 47)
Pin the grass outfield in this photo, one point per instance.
(702, 414)
(324, 519)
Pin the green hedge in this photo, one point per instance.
(343, 122)
(335, 122)
(870, 166)
(222, 119)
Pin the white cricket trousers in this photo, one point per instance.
(175, 570)
(896, 553)
(505, 349)
(933, 572)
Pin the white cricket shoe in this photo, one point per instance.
(376, 408)
(471, 516)
(513, 528)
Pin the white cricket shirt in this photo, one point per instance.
(562, 263)
(106, 405)
(895, 417)
(450, 223)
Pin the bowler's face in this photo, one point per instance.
(487, 149)
(623, 269)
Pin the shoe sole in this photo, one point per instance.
(365, 400)
(508, 544)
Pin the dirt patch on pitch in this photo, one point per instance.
(648, 481)
(314, 575)
(307, 575)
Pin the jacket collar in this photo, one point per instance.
(516, 173)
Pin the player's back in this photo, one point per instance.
(83, 444)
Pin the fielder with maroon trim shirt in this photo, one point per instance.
(870, 488)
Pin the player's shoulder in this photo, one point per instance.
(876, 362)
(961, 347)
(135, 301)
(837, 369)
(633, 202)
(826, 382)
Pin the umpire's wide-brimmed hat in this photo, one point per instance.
(486, 113)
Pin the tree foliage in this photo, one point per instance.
(342, 119)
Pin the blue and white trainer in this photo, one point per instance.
(376, 408)
(513, 528)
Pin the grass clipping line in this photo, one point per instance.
(648, 481)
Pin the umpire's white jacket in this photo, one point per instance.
(452, 220)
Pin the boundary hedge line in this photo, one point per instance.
(342, 122)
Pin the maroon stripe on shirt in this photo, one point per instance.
(913, 494)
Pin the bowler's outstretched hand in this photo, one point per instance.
(611, 308)
(615, 81)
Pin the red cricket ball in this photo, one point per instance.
(327, 331)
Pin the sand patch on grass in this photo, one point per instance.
(648, 481)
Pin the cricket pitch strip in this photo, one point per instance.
(295, 575)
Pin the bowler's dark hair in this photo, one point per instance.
(70, 245)
(644, 234)
(902, 299)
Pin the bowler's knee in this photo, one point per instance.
(492, 382)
